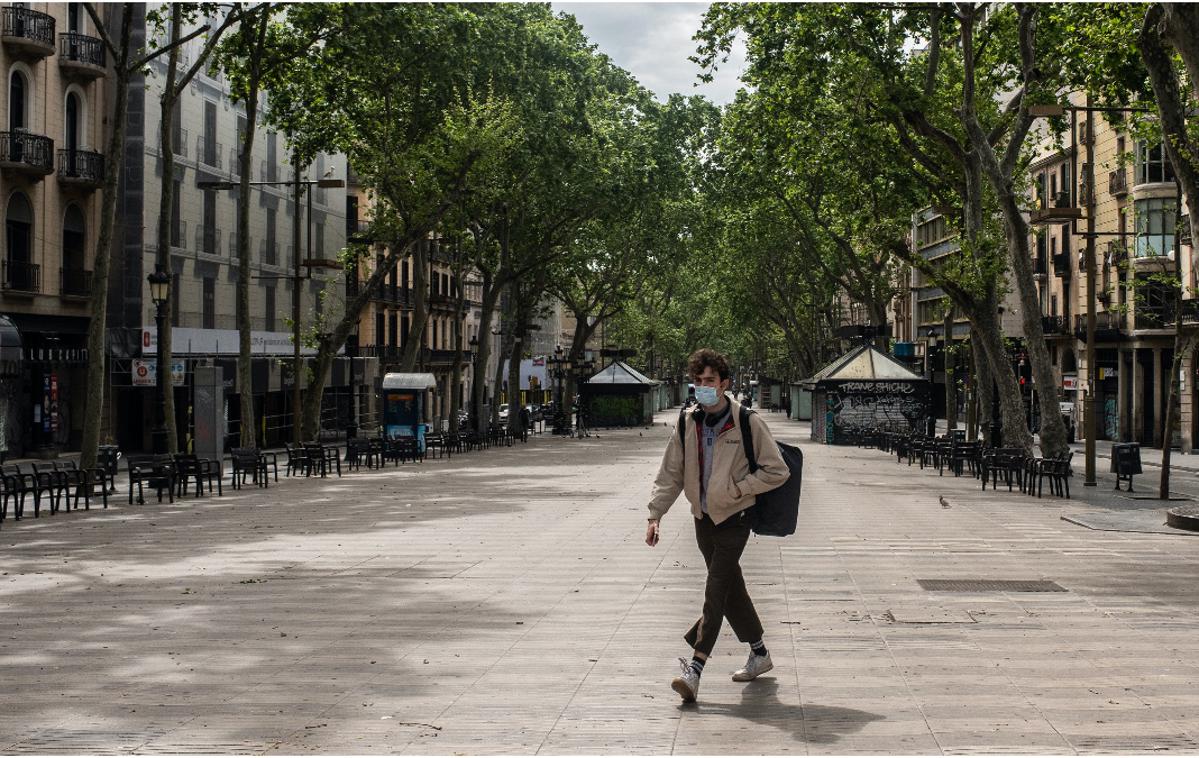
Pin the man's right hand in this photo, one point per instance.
(651, 533)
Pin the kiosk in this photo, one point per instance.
(404, 406)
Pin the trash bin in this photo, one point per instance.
(1126, 462)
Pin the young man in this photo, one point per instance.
(710, 468)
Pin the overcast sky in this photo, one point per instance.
(653, 41)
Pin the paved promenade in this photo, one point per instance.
(505, 602)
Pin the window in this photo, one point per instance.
(271, 157)
(210, 155)
(209, 303)
(1154, 227)
(380, 329)
(210, 222)
(18, 101)
(73, 120)
(269, 256)
(176, 221)
(433, 328)
(351, 214)
(404, 330)
(270, 308)
(393, 330)
(404, 274)
(20, 273)
(1152, 165)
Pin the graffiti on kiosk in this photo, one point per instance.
(860, 405)
(879, 388)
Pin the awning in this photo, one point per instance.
(409, 382)
(10, 345)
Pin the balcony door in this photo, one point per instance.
(19, 243)
(17, 98)
(73, 245)
(74, 115)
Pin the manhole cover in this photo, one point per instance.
(988, 585)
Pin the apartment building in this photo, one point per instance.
(204, 265)
(1135, 201)
(52, 165)
(384, 324)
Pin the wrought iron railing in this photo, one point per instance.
(21, 276)
(1117, 182)
(76, 281)
(27, 24)
(79, 48)
(84, 166)
(33, 150)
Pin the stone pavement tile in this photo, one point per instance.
(892, 745)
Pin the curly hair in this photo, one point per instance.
(706, 357)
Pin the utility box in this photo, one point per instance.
(208, 409)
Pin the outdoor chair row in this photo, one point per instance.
(1010, 466)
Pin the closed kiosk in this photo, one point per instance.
(404, 397)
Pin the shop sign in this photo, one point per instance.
(145, 373)
(1069, 382)
(1107, 372)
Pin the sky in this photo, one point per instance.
(653, 41)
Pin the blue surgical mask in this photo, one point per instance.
(707, 395)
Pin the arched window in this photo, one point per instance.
(19, 271)
(18, 95)
(74, 121)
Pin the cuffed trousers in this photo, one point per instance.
(725, 595)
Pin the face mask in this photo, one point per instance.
(707, 395)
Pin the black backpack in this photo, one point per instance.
(776, 512)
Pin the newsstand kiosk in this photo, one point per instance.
(404, 406)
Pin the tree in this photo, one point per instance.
(126, 62)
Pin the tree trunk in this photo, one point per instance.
(491, 294)
(98, 305)
(1011, 405)
(1181, 345)
(951, 389)
(166, 200)
(414, 341)
(245, 377)
(514, 401)
(983, 387)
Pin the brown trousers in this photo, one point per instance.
(725, 595)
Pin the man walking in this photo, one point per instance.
(708, 465)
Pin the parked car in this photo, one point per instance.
(504, 412)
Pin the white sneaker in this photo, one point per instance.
(755, 666)
(686, 683)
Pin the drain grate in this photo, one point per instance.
(988, 585)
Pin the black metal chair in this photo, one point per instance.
(297, 460)
(157, 471)
(248, 462)
(1057, 470)
(15, 485)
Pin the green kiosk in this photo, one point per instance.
(404, 406)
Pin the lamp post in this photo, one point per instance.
(160, 295)
(474, 377)
(561, 419)
(300, 186)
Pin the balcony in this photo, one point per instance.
(445, 357)
(208, 240)
(1055, 326)
(25, 153)
(382, 352)
(76, 282)
(1038, 265)
(81, 56)
(1107, 326)
(208, 152)
(1061, 265)
(17, 276)
(268, 252)
(1059, 211)
(80, 168)
(1117, 183)
(27, 33)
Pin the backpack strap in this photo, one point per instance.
(683, 427)
(747, 439)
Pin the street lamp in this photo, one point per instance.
(561, 418)
(160, 295)
(474, 378)
(300, 186)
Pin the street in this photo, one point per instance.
(504, 601)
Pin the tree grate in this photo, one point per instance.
(988, 585)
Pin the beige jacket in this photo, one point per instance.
(732, 488)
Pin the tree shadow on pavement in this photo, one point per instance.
(822, 724)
